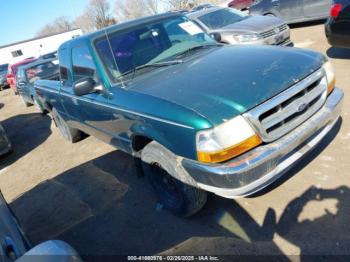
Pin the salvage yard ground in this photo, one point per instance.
(89, 194)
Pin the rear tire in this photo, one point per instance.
(180, 198)
(70, 134)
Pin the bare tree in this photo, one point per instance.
(85, 23)
(97, 15)
(188, 4)
(130, 9)
(182, 4)
(59, 25)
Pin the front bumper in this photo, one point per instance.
(261, 166)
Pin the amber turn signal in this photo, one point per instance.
(331, 86)
(231, 152)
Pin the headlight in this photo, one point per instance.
(246, 37)
(328, 68)
(226, 141)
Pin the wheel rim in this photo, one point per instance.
(167, 187)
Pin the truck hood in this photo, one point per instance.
(224, 82)
(253, 24)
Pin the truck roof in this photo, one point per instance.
(124, 25)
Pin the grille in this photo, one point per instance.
(284, 112)
(274, 31)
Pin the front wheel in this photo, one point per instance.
(72, 135)
(178, 197)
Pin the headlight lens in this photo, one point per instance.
(328, 68)
(246, 37)
(226, 141)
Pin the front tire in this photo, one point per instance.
(70, 134)
(178, 197)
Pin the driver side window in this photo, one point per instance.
(82, 64)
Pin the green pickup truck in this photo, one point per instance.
(198, 115)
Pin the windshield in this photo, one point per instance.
(150, 43)
(3, 68)
(41, 71)
(221, 18)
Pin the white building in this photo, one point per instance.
(35, 47)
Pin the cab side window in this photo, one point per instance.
(64, 66)
(83, 65)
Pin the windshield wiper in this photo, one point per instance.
(194, 48)
(159, 64)
(156, 64)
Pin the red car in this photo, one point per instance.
(11, 75)
(241, 4)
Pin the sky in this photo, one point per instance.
(22, 19)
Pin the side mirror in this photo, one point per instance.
(84, 86)
(216, 37)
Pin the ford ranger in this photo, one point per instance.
(200, 116)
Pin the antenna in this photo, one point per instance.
(115, 61)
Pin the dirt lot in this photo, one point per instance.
(89, 195)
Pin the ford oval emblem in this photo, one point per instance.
(302, 107)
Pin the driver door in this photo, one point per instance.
(92, 110)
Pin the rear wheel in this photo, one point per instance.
(178, 197)
(70, 134)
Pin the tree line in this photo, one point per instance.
(99, 13)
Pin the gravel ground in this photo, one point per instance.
(89, 194)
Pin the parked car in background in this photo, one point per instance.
(292, 11)
(51, 55)
(28, 74)
(232, 26)
(338, 24)
(3, 73)
(5, 144)
(12, 72)
(201, 116)
(241, 4)
(16, 247)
